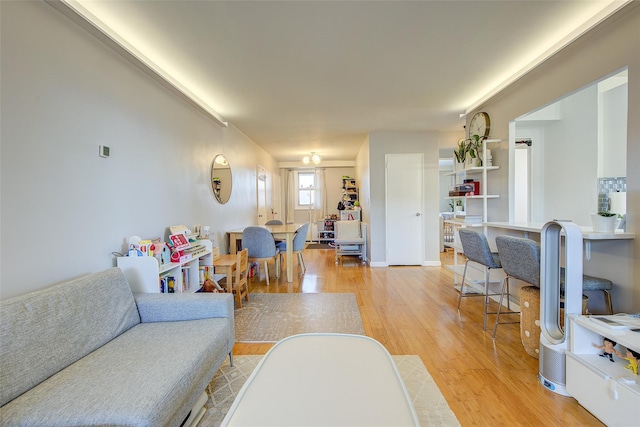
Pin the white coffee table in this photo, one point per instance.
(324, 380)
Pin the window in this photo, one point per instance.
(306, 185)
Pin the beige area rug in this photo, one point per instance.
(272, 317)
(430, 405)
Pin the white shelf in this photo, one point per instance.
(606, 389)
(487, 196)
(472, 170)
(144, 273)
(483, 197)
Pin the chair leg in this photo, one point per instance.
(505, 282)
(607, 301)
(486, 298)
(505, 285)
(301, 262)
(266, 271)
(238, 296)
(464, 275)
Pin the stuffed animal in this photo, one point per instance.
(210, 286)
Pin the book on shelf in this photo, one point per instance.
(171, 284)
(185, 279)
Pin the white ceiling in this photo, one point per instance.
(302, 76)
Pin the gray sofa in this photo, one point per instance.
(87, 352)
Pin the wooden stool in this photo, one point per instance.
(530, 320)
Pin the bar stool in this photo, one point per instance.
(520, 259)
(591, 283)
(476, 249)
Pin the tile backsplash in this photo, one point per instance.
(609, 185)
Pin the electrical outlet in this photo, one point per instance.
(104, 151)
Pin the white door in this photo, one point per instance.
(404, 204)
(275, 198)
(261, 183)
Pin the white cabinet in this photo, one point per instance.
(145, 274)
(606, 389)
(326, 232)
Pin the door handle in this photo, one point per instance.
(417, 213)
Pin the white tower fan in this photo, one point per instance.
(554, 341)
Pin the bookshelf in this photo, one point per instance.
(476, 199)
(145, 274)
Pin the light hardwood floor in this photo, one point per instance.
(412, 310)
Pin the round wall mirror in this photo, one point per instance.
(221, 178)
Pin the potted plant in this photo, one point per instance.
(604, 222)
(461, 154)
(470, 149)
(475, 147)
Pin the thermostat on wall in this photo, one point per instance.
(104, 151)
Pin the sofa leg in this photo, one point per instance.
(197, 412)
(231, 359)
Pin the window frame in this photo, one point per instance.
(313, 188)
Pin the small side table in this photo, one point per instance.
(226, 264)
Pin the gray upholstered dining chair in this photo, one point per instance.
(275, 222)
(520, 259)
(476, 249)
(299, 243)
(261, 247)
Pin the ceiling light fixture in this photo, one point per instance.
(312, 158)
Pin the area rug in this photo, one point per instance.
(272, 317)
(430, 405)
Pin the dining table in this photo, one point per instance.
(284, 232)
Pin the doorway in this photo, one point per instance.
(261, 184)
(404, 207)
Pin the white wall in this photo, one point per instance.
(65, 209)
(610, 47)
(613, 113)
(381, 143)
(570, 142)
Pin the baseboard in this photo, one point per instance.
(431, 264)
(378, 264)
(424, 264)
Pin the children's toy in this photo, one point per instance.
(607, 348)
(632, 357)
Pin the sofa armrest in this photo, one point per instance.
(178, 307)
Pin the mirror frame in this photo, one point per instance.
(221, 179)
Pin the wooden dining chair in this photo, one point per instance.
(262, 247)
(240, 284)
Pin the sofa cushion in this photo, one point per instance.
(67, 321)
(142, 378)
